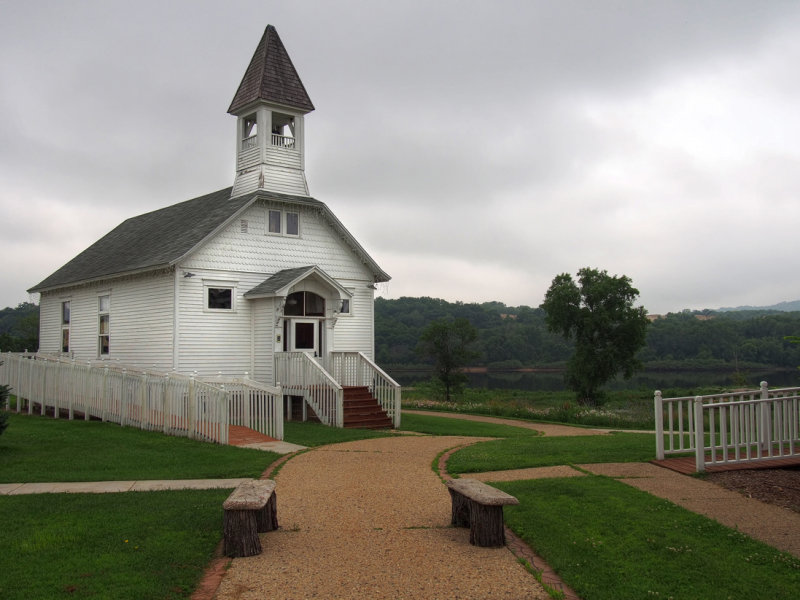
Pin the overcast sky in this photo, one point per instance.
(475, 149)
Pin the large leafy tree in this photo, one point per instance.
(596, 312)
(449, 344)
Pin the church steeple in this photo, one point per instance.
(270, 104)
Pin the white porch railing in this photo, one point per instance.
(283, 141)
(356, 369)
(172, 403)
(299, 374)
(737, 427)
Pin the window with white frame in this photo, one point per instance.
(219, 297)
(345, 307)
(283, 222)
(65, 321)
(103, 325)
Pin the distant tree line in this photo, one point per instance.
(19, 328)
(517, 336)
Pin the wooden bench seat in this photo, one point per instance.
(479, 507)
(251, 509)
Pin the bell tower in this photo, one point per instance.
(270, 106)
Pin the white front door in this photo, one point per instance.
(304, 336)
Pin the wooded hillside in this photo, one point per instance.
(514, 336)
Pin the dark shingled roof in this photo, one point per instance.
(149, 241)
(271, 76)
(278, 281)
(161, 238)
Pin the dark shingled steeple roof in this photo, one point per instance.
(271, 76)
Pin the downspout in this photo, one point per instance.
(175, 321)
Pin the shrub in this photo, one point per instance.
(3, 413)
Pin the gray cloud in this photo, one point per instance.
(475, 149)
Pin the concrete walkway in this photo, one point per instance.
(105, 487)
(370, 519)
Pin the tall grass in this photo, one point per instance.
(623, 409)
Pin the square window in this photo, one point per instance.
(345, 307)
(274, 221)
(292, 223)
(220, 298)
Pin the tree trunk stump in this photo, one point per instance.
(486, 525)
(267, 517)
(460, 509)
(240, 533)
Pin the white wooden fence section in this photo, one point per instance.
(356, 369)
(172, 403)
(736, 427)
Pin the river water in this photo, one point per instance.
(646, 381)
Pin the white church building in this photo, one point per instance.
(258, 278)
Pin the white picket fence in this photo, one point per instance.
(736, 427)
(169, 402)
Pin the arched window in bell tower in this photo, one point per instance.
(249, 132)
(283, 133)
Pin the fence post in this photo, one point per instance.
(659, 414)
(165, 403)
(20, 362)
(105, 399)
(43, 394)
(191, 408)
(699, 435)
(765, 420)
(279, 416)
(72, 388)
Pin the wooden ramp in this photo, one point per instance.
(686, 464)
(241, 436)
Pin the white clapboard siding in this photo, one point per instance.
(140, 319)
(284, 157)
(213, 341)
(248, 158)
(258, 252)
(264, 339)
(354, 332)
(50, 322)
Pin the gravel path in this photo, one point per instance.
(370, 519)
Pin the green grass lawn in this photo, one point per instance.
(449, 426)
(538, 451)
(609, 541)
(36, 448)
(317, 434)
(137, 545)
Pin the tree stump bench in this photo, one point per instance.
(251, 509)
(479, 507)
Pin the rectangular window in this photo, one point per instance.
(65, 319)
(345, 307)
(274, 221)
(283, 222)
(292, 223)
(103, 324)
(219, 298)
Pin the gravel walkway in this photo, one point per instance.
(370, 519)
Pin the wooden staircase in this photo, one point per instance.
(362, 410)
